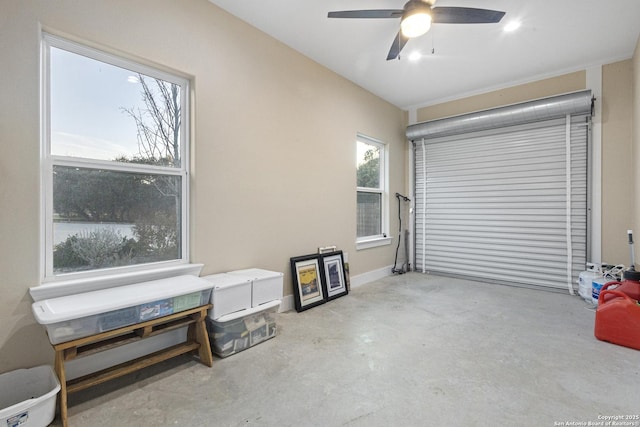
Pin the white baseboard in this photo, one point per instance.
(287, 304)
(370, 276)
(356, 281)
(84, 365)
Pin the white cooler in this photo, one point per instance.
(230, 294)
(266, 286)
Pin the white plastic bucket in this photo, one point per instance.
(28, 397)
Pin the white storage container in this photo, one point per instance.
(76, 316)
(585, 280)
(266, 285)
(243, 329)
(230, 293)
(28, 397)
(596, 286)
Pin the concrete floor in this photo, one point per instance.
(409, 350)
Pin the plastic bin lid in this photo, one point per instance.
(247, 312)
(223, 280)
(85, 304)
(256, 273)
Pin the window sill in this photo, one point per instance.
(104, 281)
(373, 243)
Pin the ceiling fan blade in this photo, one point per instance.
(397, 45)
(371, 14)
(465, 15)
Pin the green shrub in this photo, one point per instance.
(65, 257)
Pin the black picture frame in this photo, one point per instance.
(308, 288)
(334, 277)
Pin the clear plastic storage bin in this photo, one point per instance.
(243, 329)
(80, 315)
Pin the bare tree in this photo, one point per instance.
(159, 123)
(158, 133)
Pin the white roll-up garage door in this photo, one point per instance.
(507, 204)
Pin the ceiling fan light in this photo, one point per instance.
(416, 21)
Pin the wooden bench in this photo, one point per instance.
(197, 341)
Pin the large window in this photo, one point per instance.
(114, 163)
(372, 190)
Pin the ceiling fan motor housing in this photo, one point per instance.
(416, 18)
(416, 6)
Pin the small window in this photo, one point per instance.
(371, 189)
(114, 163)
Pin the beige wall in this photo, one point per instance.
(636, 151)
(512, 95)
(273, 153)
(617, 173)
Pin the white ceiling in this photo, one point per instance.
(556, 36)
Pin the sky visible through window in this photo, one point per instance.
(362, 148)
(87, 116)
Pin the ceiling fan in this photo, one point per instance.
(417, 17)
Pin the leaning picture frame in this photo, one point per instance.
(308, 290)
(334, 277)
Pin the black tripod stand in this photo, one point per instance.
(405, 265)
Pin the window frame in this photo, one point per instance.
(371, 241)
(48, 161)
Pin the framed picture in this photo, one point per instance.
(334, 275)
(307, 282)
